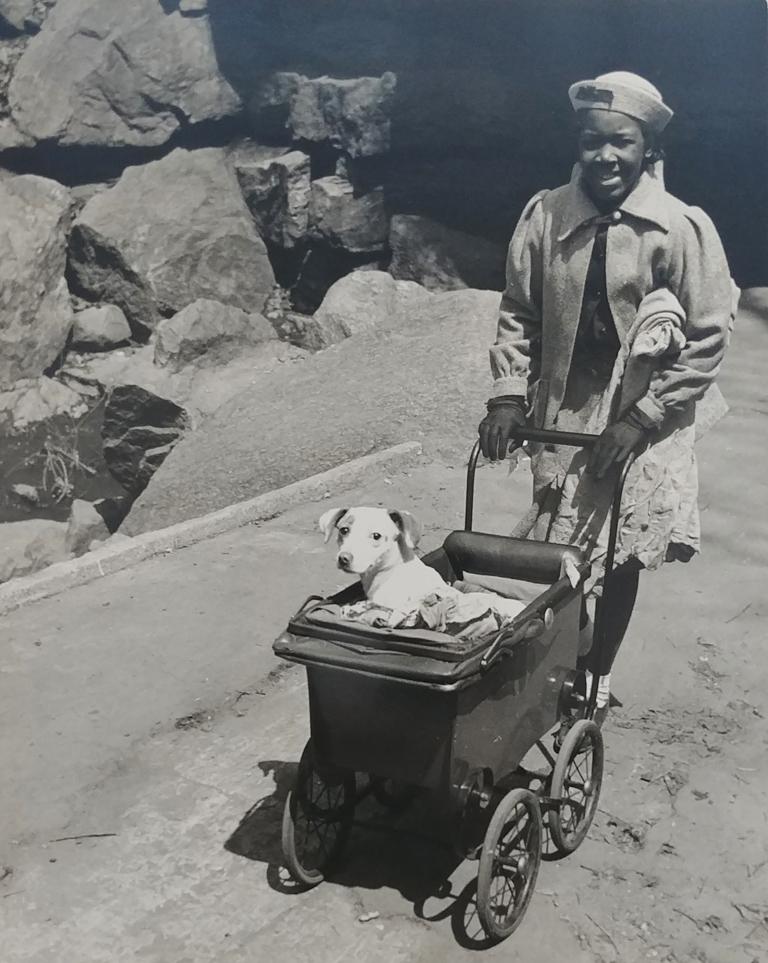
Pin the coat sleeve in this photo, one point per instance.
(515, 353)
(698, 275)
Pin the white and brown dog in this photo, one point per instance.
(378, 545)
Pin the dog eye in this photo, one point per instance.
(344, 531)
(376, 536)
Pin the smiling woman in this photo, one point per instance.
(614, 322)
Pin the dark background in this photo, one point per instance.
(482, 119)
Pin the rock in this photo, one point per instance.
(100, 328)
(26, 493)
(17, 13)
(210, 332)
(35, 312)
(321, 266)
(425, 380)
(84, 527)
(191, 236)
(443, 259)
(28, 546)
(139, 430)
(362, 301)
(35, 400)
(357, 223)
(199, 390)
(354, 115)
(277, 191)
(108, 73)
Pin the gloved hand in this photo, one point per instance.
(615, 444)
(504, 415)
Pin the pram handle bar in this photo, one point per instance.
(574, 440)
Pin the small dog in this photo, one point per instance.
(379, 546)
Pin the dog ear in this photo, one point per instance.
(328, 521)
(409, 526)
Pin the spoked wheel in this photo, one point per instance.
(576, 781)
(509, 863)
(316, 820)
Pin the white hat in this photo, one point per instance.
(625, 93)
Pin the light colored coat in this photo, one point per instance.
(673, 303)
(657, 242)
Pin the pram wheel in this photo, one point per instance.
(576, 781)
(509, 863)
(316, 819)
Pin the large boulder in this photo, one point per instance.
(363, 301)
(166, 234)
(357, 223)
(353, 115)
(107, 72)
(277, 190)
(35, 310)
(27, 546)
(199, 390)
(427, 379)
(139, 430)
(210, 332)
(443, 259)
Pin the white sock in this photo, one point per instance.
(603, 689)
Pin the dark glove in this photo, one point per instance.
(504, 415)
(615, 444)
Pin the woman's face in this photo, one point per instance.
(612, 151)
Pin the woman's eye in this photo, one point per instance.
(376, 536)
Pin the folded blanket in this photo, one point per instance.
(467, 615)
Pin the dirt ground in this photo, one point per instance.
(149, 737)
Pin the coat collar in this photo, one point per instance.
(647, 202)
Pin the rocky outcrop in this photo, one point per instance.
(357, 223)
(100, 328)
(352, 115)
(443, 259)
(139, 430)
(209, 332)
(190, 236)
(277, 190)
(35, 311)
(26, 547)
(363, 301)
(373, 390)
(111, 73)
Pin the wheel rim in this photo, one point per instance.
(509, 863)
(316, 821)
(576, 782)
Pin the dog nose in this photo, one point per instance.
(344, 560)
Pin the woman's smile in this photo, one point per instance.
(612, 152)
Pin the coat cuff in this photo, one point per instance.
(510, 386)
(649, 411)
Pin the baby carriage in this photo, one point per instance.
(456, 717)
